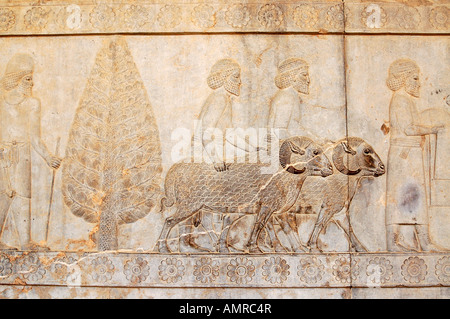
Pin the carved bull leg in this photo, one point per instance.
(223, 240)
(322, 220)
(276, 244)
(262, 218)
(186, 229)
(181, 214)
(289, 225)
(356, 245)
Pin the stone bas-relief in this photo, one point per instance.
(20, 130)
(112, 164)
(252, 160)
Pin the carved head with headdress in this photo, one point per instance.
(293, 72)
(19, 74)
(226, 73)
(404, 73)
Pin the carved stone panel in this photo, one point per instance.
(290, 148)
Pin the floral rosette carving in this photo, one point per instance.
(36, 18)
(7, 19)
(442, 269)
(6, 268)
(439, 18)
(310, 270)
(270, 16)
(374, 17)
(336, 17)
(102, 269)
(237, 16)
(171, 270)
(306, 16)
(136, 270)
(31, 268)
(62, 268)
(275, 270)
(169, 16)
(206, 270)
(135, 16)
(344, 270)
(102, 17)
(379, 270)
(204, 16)
(241, 270)
(407, 17)
(414, 270)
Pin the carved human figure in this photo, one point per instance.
(20, 129)
(293, 81)
(407, 226)
(216, 116)
(285, 111)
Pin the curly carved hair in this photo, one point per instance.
(287, 71)
(399, 71)
(220, 71)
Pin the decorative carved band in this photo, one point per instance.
(169, 17)
(282, 271)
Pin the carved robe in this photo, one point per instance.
(406, 189)
(15, 140)
(285, 113)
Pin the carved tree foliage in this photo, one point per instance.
(112, 170)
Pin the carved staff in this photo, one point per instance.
(51, 191)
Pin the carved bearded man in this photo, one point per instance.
(285, 107)
(216, 115)
(20, 129)
(285, 110)
(406, 203)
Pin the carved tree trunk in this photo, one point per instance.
(112, 169)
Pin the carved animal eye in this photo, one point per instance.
(366, 151)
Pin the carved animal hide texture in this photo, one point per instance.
(112, 170)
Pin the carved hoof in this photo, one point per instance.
(279, 249)
(222, 248)
(163, 248)
(302, 249)
(313, 248)
(358, 249)
(253, 249)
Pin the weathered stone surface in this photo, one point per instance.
(281, 149)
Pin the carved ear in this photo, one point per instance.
(296, 149)
(347, 148)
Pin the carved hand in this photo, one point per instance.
(220, 167)
(54, 162)
(437, 128)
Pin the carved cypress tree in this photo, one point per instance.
(112, 169)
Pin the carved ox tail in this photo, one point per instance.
(169, 187)
(346, 147)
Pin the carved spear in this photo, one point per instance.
(51, 192)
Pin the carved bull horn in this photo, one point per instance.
(338, 157)
(287, 148)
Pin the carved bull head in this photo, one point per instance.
(353, 156)
(300, 154)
